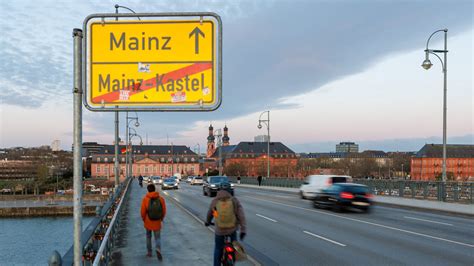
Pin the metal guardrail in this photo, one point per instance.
(460, 192)
(99, 236)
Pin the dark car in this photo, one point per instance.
(212, 183)
(344, 196)
(169, 183)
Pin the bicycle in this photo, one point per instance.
(228, 254)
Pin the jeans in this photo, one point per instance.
(157, 240)
(219, 247)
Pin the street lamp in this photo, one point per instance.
(137, 124)
(218, 134)
(444, 64)
(267, 123)
(130, 161)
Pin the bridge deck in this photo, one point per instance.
(184, 240)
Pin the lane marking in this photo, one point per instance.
(429, 221)
(323, 238)
(181, 206)
(371, 223)
(177, 199)
(265, 217)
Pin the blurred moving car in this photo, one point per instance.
(342, 196)
(211, 185)
(189, 179)
(146, 179)
(314, 184)
(178, 176)
(197, 180)
(169, 183)
(156, 180)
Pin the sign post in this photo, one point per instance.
(158, 62)
(161, 62)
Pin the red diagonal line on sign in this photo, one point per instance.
(151, 83)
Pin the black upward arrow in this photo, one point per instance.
(196, 32)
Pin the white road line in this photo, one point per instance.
(177, 199)
(265, 217)
(323, 238)
(429, 221)
(366, 222)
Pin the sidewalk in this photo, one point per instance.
(184, 241)
(455, 208)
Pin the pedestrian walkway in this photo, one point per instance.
(457, 208)
(184, 241)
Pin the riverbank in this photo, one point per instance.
(13, 206)
(45, 211)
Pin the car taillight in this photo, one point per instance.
(369, 196)
(229, 249)
(346, 195)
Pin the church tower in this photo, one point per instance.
(211, 145)
(225, 139)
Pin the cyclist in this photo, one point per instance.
(228, 215)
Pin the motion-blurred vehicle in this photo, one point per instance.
(146, 179)
(197, 180)
(178, 176)
(314, 184)
(189, 179)
(169, 183)
(156, 180)
(342, 196)
(212, 184)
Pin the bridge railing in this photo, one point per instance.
(451, 191)
(99, 236)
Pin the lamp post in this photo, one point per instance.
(444, 64)
(130, 161)
(218, 134)
(267, 123)
(137, 124)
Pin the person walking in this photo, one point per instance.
(238, 179)
(153, 211)
(259, 179)
(229, 217)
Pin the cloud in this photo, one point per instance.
(272, 49)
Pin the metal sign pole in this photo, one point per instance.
(77, 92)
(116, 168)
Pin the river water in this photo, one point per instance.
(30, 241)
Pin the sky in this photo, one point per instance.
(328, 71)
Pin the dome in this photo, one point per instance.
(211, 138)
(210, 127)
(225, 138)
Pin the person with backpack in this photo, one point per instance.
(228, 216)
(153, 212)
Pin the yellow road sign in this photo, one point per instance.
(157, 63)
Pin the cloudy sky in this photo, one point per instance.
(328, 71)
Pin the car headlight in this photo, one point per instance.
(231, 185)
(213, 185)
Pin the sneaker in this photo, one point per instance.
(158, 254)
(148, 254)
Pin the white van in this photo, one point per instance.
(315, 183)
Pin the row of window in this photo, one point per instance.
(162, 159)
(236, 155)
(169, 169)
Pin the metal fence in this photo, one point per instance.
(461, 192)
(99, 237)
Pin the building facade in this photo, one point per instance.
(147, 160)
(250, 159)
(427, 164)
(347, 147)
